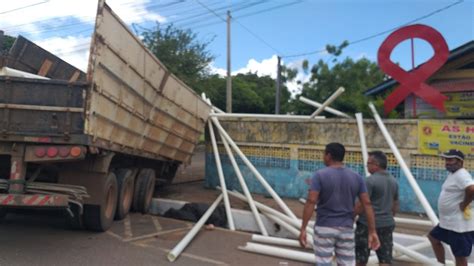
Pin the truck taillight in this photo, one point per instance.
(76, 151)
(56, 153)
(64, 152)
(52, 152)
(40, 152)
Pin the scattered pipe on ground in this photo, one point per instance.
(289, 227)
(415, 255)
(421, 197)
(253, 169)
(277, 241)
(412, 221)
(244, 187)
(280, 252)
(190, 235)
(220, 173)
(264, 208)
(411, 180)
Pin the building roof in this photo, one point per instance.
(453, 55)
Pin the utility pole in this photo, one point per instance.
(229, 77)
(278, 81)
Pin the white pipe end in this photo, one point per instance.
(372, 107)
(171, 257)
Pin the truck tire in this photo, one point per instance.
(144, 188)
(100, 217)
(3, 213)
(125, 181)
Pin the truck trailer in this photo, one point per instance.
(96, 143)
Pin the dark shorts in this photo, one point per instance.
(384, 253)
(460, 243)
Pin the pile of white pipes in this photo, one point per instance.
(287, 218)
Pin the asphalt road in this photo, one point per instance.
(44, 239)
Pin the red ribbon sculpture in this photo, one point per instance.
(413, 81)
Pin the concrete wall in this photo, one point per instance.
(286, 153)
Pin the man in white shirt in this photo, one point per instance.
(456, 225)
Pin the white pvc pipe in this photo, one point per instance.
(264, 208)
(363, 145)
(421, 197)
(410, 237)
(328, 102)
(412, 221)
(415, 255)
(421, 245)
(280, 252)
(302, 200)
(447, 262)
(245, 189)
(217, 110)
(190, 235)
(411, 180)
(245, 115)
(6, 71)
(327, 109)
(220, 173)
(259, 177)
(277, 241)
(290, 228)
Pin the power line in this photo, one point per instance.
(210, 10)
(270, 9)
(242, 25)
(383, 32)
(258, 37)
(244, 15)
(23, 7)
(408, 23)
(234, 9)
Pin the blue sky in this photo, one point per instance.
(283, 27)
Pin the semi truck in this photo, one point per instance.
(94, 144)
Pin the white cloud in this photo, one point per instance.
(268, 67)
(31, 19)
(63, 19)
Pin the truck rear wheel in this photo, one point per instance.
(100, 217)
(125, 192)
(144, 188)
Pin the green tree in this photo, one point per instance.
(180, 51)
(250, 93)
(7, 44)
(354, 76)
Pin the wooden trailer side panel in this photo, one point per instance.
(29, 57)
(134, 101)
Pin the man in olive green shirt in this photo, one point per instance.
(383, 191)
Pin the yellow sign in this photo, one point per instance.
(435, 137)
(460, 104)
